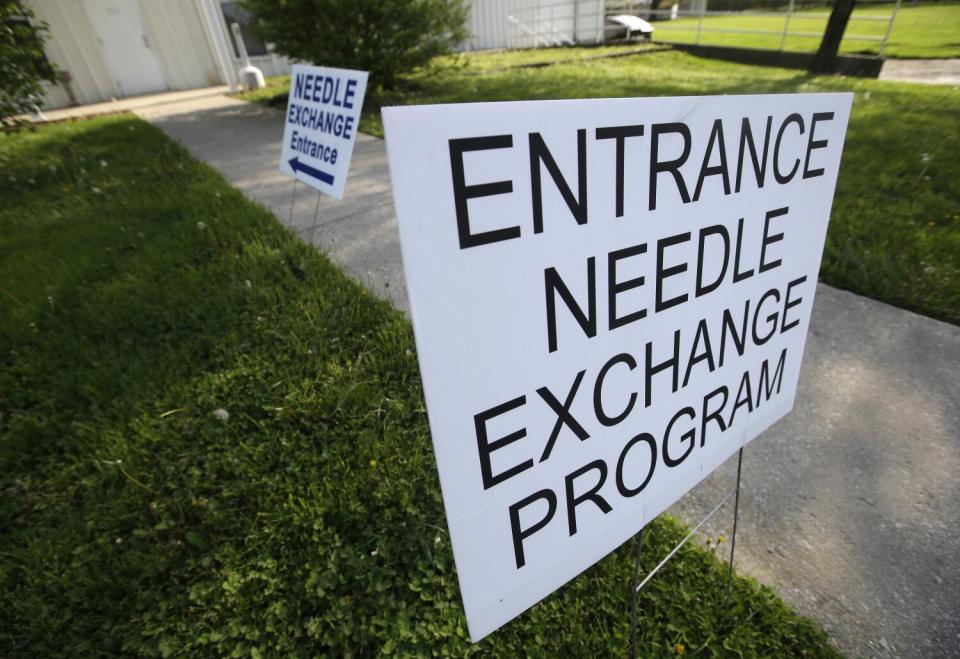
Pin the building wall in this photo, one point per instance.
(182, 36)
(72, 46)
(182, 47)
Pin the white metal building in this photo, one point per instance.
(534, 23)
(118, 48)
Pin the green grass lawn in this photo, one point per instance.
(140, 294)
(925, 31)
(487, 61)
(895, 228)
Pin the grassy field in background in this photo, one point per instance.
(895, 228)
(926, 31)
(489, 61)
(213, 442)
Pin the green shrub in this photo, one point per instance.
(385, 37)
(23, 65)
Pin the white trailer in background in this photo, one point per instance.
(534, 23)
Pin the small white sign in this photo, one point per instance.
(610, 298)
(323, 115)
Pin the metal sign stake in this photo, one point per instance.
(636, 594)
(316, 214)
(735, 494)
(736, 517)
(293, 199)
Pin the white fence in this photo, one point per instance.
(774, 25)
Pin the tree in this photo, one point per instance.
(837, 24)
(385, 37)
(23, 66)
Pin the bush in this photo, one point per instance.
(23, 65)
(385, 37)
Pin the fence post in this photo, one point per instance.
(576, 10)
(703, 9)
(552, 31)
(786, 26)
(886, 37)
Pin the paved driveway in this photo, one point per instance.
(929, 71)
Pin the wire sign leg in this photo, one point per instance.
(636, 593)
(736, 516)
(293, 200)
(316, 214)
(637, 587)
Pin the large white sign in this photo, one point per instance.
(323, 113)
(610, 297)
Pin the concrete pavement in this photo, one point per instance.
(927, 71)
(851, 504)
(132, 103)
(242, 141)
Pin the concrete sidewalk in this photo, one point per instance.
(851, 504)
(242, 141)
(132, 104)
(927, 71)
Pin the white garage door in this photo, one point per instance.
(125, 45)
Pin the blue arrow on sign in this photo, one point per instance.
(298, 166)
